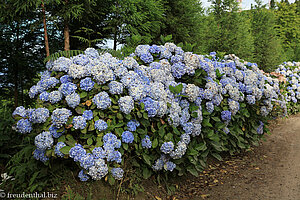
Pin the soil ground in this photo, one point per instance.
(270, 171)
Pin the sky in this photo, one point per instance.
(245, 5)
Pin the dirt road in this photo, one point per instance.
(268, 172)
(272, 171)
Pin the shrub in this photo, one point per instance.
(160, 109)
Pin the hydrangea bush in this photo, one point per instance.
(289, 72)
(159, 110)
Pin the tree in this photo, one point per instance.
(20, 48)
(134, 17)
(183, 20)
(272, 4)
(267, 48)
(288, 23)
(229, 30)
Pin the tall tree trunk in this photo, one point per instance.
(66, 32)
(115, 39)
(16, 72)
(66, 35)
(45, 30)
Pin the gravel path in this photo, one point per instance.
(272, 171)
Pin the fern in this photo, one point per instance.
(66, 54)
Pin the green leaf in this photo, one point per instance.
(90, 141)
(201, 147)
(194, 114)
(146, 173)
(217, 156)
(154, 143)
(192, 170)
(111, 180)
(125, 146)
(79, 110)
(145, 115)
(193, 108)
(192, 152)
(83, 94)
(147, 159)
(65, 150)
(217, 119)
(119, 116)
(206, 123)
(140, 130)
(178, 88)
(169, 136)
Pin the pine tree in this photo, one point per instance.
(272, 4)
(134, 17)
(267, 48)
(288, 28)
(183, 20)
(230, 30)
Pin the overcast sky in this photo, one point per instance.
(245, 5)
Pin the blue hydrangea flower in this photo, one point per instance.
(34, 90)
(73, 100)
(102, 100)
(55, 96)
(92, 53)
(115, 87)
(209, 106)
(226, 115)
(260, 129)
(77, 152)
(88, 114)
(167, 147)
(250, 99)
(87, 161)
(87, 84)
(132, 125)
(127, 137)
(159, 164)
(57, 148)
(83, 176)
(188, 127)
(24, 126)
(79, 122)
(114, 156)
(21, 111)
(146, 142)
(178, 70)
(154, 49)
(111, 141)
(81, 60)
(98, 152)
(169, 166)
(39, 115)
(185, 138)
(54, 131)
(65, 79)
(126, 104)
(60, 116)
(99, 170)
(44, 140)
(44, 96)
(40, 155)
(117, 173)
(146, 57)
(67, 88)
(100, 125)
(48, 83)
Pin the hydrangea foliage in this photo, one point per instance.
(160, 108)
